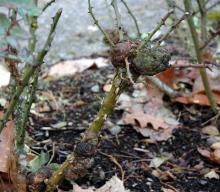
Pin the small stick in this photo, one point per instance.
(53, 154)
(193, 66)
(128, 70)
(162, 86)
(133, 17)
(160, 24)
(97, 24)
(114, 4)
(212, 36)
(213, 5)
(113, 159)
(172, 28)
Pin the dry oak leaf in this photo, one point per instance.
(143, 120)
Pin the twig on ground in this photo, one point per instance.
(162, 86)
(113, 159)
(53, 153)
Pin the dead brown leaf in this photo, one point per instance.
(215, 145)
(210, 130)
(144, 120)
(73, 66)
(213, 156)
(6, 143)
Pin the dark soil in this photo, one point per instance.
(183, 172)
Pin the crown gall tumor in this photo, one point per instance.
(150, 61)
(146, 61)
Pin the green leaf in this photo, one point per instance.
(22, 12)
(4, 23)
(25, 7)
(17, 31)
(213, 15)
(3, 42)
(38, 161)
(54, 166)
(17, 3)
(34, 11)
(12, 41)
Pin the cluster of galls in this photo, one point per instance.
(145, 61)
(36, 182)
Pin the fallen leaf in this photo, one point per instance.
(38, 161)
(198, 95)
(145, 120)
(215, 156)
(145, 110)
(113, 185)
(198, 98)
(215, 145)
(212, 175)
(4, 75)
(204, 152)
(210, 130)
(71, 67)
(158, 161)
(6, 143)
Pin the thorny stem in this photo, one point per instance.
(120, 82)
(171, 29)
(172, 3)
(23, 108)
(48, 4)
(133, 17)
(160, 24)
(203, 13)
(213, 5)
(210, 38)
(58, 175)
(188, 8)
(29, 71)
(114, 4)
(109, 12)
(20, 134)
(91, 135)
(97, 24)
